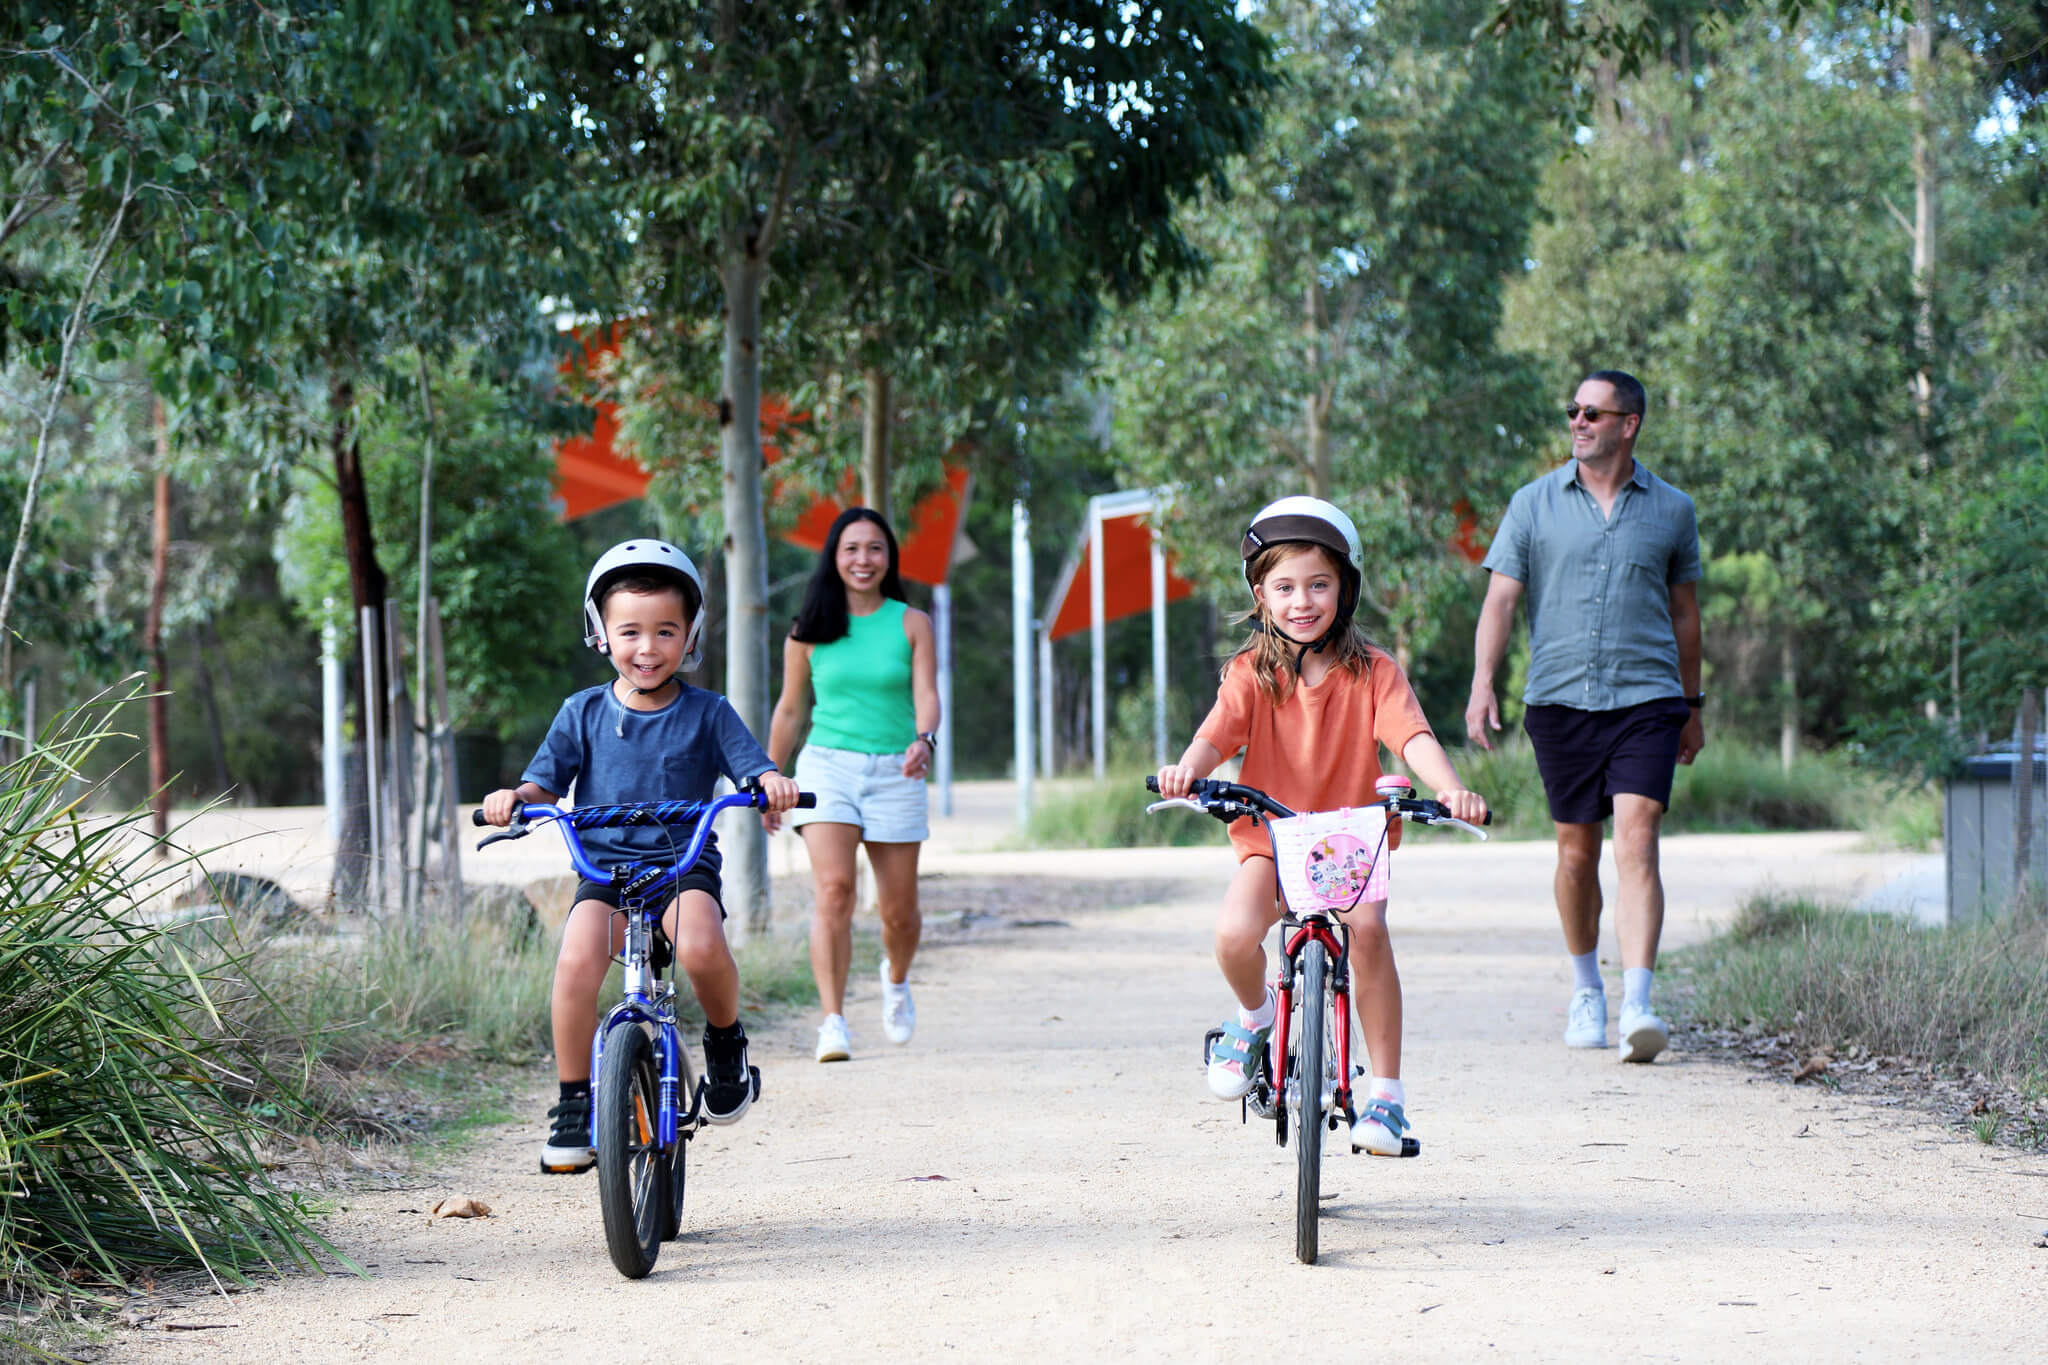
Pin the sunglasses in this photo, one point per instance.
(1573, 412)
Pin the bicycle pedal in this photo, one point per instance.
(1209, 1041)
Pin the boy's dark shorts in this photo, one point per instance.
(1587, 757)
(698, 878)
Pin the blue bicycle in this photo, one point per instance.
(640, 1071)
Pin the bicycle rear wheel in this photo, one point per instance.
(632, 1179)
(1312, 995)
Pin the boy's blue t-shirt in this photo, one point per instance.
(612, 755)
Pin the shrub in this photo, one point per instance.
(125, 1131)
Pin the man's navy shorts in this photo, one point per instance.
(1587, 757)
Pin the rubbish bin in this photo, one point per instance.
(1981, 827)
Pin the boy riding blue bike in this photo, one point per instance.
(645, 736)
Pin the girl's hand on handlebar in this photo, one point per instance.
(1467, 806)
(1176, 780)
(501, 805)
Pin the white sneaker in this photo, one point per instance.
(1585, 1024)
(1643, 1036)
(1379, 1128)
(1233, 1065)
(834, 1045)
(899, 1011)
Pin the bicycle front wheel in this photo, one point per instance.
(632, 1178)
(1312, 997)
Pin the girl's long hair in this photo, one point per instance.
(822, 617)
(1273, 655)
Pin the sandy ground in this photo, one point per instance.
(1042, 1171)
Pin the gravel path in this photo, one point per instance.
(1041, 1171)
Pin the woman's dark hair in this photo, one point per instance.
(822, 617)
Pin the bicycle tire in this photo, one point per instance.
(678, 1157)
(1308, 1084)
(631, 1177)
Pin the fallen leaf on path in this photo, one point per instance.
(459, 1206)
(912, 1179)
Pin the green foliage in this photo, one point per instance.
(503, 567)
(1343, 343)
(1964, 999)
(125, 1122)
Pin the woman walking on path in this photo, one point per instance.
(861, 666)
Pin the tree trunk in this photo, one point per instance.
(874, 441)
(425, 755)
(1788, 698)
(366, 589)
(1926, 202)
(153, 641)
(1316, 405)
(746, 562)
(216, 736)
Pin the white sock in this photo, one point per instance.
(1262, 1017)
(1635, 990)
(1586, 971)
(1389, 1089)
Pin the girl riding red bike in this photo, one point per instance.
(1309, 699)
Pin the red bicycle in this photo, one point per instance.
(1308, 1088)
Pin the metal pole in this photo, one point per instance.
(942, 628)
(1098, 667)
(1045, 699)
(1158, 649)
(1021, 655)
(332, 792)
(369, 633)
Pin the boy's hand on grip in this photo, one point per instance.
(500, 806)
(781, 792)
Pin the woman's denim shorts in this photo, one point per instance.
(867, 790)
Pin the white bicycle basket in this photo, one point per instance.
(1331, 859)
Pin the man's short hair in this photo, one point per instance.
(1627, 388)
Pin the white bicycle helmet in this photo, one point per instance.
(1316, 522)
(656, 557)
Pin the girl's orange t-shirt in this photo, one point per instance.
(1319, 749)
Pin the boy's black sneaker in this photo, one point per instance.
(568, 1148)
(730, 1085)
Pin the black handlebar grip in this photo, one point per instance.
(476, 817)
(1151, 784)
(807, 801)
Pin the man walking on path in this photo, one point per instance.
(1610, 557)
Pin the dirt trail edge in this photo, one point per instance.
(1042, 1171)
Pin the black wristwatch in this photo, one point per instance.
(1698, 702)
(930, 738)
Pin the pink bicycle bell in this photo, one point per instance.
(1393, 785)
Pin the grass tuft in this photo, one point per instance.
(1968, 997)
(126, 1139)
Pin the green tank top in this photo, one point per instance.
(861, 683)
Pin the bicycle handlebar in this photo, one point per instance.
(1233, 801)
(676, 813)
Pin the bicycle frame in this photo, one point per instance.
(1336, 939)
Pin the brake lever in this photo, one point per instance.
(1182, 802)
(517, 832)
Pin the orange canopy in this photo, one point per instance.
(1126, 578)
(592, 473)
(924, 544)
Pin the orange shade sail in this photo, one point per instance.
(1126, 578)
(926, 538)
